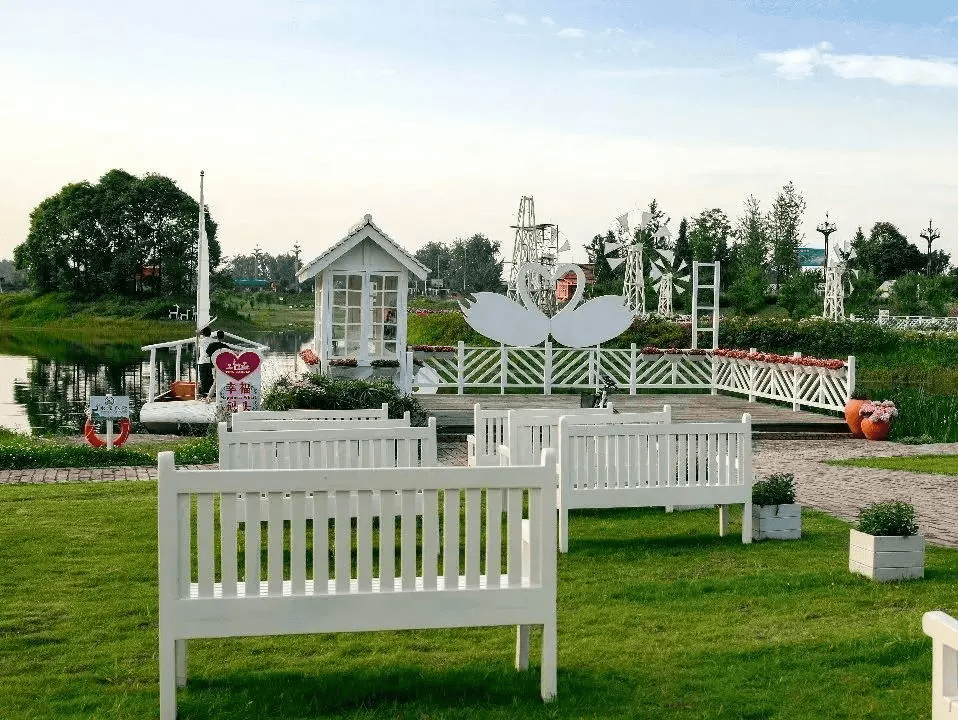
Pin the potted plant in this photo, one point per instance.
(887, 544)
(852, 416)
(876, 418)
(775, 514)
(383, 368)
(343, 367)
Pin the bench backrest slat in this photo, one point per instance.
(379, 413)
(335, 447)
(242, 424)
(503, 491)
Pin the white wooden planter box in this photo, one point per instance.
(887, 557)
(777, 522)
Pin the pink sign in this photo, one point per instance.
(238, 383)
(237, 367)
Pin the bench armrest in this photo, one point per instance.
(471, 449)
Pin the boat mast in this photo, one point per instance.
(202, 270)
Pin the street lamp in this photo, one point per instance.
(931, 234)
(826, 229)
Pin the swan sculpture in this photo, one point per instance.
(505, 320)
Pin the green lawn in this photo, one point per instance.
(935, 464)
(658, 618)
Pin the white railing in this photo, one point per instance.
(912, 322)
(547, 368)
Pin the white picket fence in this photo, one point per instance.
(549, 367)
(911, 322)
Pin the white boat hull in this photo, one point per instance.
(177, 415)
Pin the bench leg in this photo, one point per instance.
(167, 679)
(549, 649)
(747, 523)
(723, 520)
(522, 647)
(180, 663)
(563, 529)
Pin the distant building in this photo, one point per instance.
(250, 284)
(566, 285)
(811, 258)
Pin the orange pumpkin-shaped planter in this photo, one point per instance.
(875, 429)
(852, 417)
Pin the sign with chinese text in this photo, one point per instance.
(109, 407)
(238, 381)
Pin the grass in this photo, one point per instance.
(933, 464)
(658, 618)
(19, 451)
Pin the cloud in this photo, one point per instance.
(546, 20)
(515, 19)
(953, 18)
(802, 63)
(570, 33)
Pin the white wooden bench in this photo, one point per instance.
(943, 630)
(218, 600)
(490, 429)
(333, 447)
(243, 424)
(649, 465)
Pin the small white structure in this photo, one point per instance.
(943, 630)
(361, 285)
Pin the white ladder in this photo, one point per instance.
(697, 285)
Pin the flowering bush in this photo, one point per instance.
(421, 312)
(884, 411)
(343, 362)
(309, 357)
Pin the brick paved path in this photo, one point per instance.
(840, 491)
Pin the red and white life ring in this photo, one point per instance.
(89, 432)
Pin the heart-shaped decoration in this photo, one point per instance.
(237, 366)
(537, 277)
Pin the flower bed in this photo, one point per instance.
(779, 359)
(432, 348)
(343, 362)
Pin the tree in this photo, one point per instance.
(784, 231)
(937, 262)
(10, 278)
(475, 266)
(915, 294)
(601, 270)
(95, 239)
(709, 239)
(438, 258)
(894, 255)
(798, 294)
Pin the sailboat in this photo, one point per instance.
(178, 408)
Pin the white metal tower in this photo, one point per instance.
(633, 288)
(836, 275)
(534, 243)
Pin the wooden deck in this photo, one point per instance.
(455, 411)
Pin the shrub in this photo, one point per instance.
(774, 490)
(312, 391)
(894, 517)
(19, 452)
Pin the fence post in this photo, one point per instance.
(547, 370)
(796, 374)
(714, 366)
(598, 364)
(851, 378)
(632, 371)
(503, 368)
(154, 384)
(751, 376)
(461, 366)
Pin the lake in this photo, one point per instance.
(46, 383)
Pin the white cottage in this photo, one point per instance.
(361, 286)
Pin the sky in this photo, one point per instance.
(436, 117)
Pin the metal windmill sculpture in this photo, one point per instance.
(668, 279)
(837, 276)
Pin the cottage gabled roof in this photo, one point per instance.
(366, 228)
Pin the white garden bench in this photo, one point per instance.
(943, 630)
(490, 429)
(649, 465)
(217, 600)
(335, 447)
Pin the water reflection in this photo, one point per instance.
(50, 381)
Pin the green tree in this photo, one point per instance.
(799, 294)
(937, 262)
(709, 239)
(895, 256)
(602, 271)
(916, 294)
(475, 265)
(785, 231)
(94, 239)
(438, 258)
